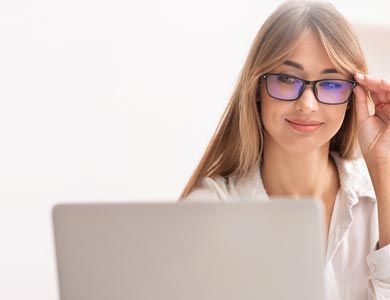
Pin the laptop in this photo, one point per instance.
(190, 250)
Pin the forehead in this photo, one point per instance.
(311, 55)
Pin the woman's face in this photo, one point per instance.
(281, 119)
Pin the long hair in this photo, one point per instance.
(237, 144)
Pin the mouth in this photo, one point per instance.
(304, 126)
(304, 122)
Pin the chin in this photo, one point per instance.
(303, 145)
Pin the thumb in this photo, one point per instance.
(361, 105)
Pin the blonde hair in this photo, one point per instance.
(237, 143)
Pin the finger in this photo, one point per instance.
(373, 83)
(386, 111)
(361, 81)
(385, 85)
(381, 113)
(361, 105)
(378, 98)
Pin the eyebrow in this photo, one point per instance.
(300, 67)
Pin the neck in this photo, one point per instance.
(299, 174)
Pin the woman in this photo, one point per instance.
(294, 125)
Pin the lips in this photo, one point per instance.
(304, 126)
(304, 122)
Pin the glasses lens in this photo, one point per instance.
(334, 91)
(283, 87)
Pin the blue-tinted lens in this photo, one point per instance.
(334, 91)
(284, 87)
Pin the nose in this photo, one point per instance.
(307, 102)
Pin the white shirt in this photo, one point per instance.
(354, 268)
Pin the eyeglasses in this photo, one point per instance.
(327, 91)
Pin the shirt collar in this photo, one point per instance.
(355, 181)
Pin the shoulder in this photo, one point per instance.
(230, 189)
(213, 188)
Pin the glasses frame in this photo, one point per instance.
(312, 83)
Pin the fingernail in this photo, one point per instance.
(359, 76)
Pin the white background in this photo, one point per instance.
(116, 101)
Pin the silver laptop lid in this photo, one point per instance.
(193, 251)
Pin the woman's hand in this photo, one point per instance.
(374, 130)
(374, 140)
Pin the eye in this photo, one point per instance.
(331, 85)
(286, 79)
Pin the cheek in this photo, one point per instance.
(269, 104)
(335, 118)
(265, 114)
(271, 113)
(265, 109)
